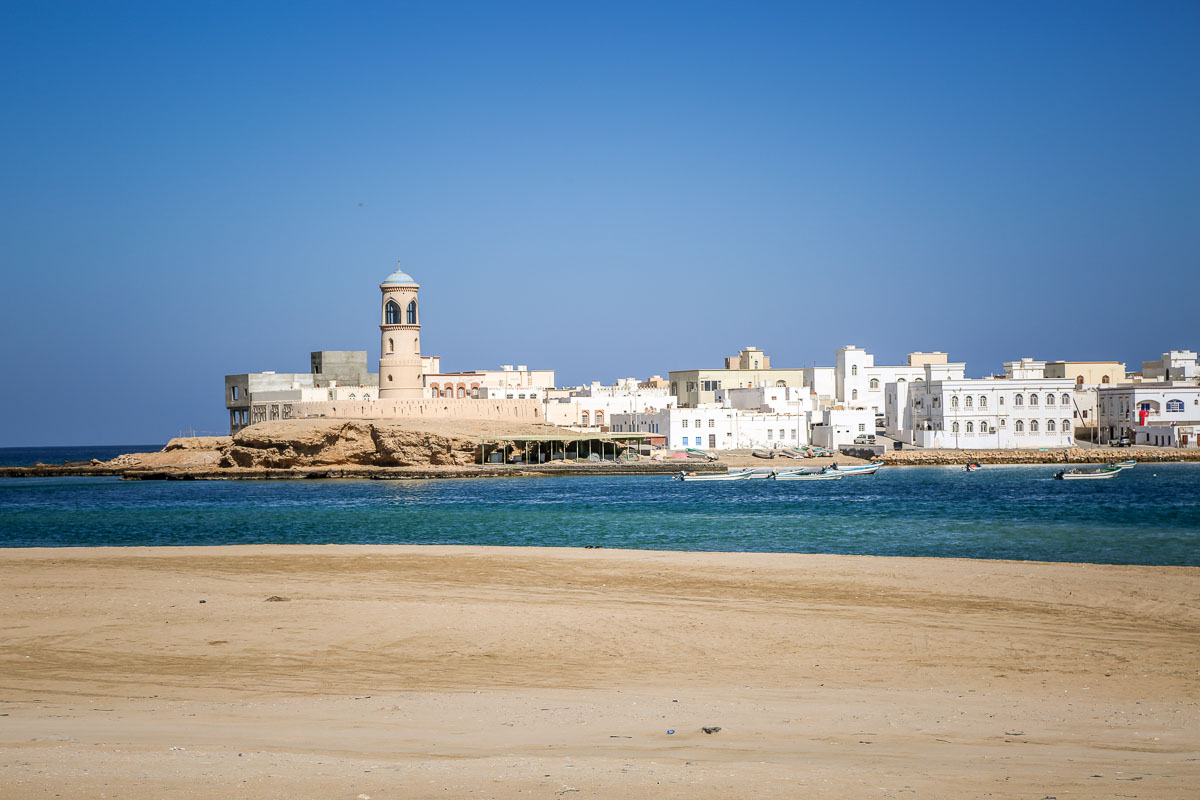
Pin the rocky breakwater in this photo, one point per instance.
(1071, 455)
(319, 443)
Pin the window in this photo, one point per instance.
(391, 346)
(712, 423)
(780, 384)
(983, 428)
(983, 401)
(685, 441)
(1105, 379)
(862, 427)
(712, 440)
(599, 414)
(1174, 406)
(1033, 426)
(1018, 400)
(1033, 399)
(1049, 399)
(954, 428)
(854, 369)
(462, 390)
(475, 392)
(1050, 426)
(901, 380)
(769, 432)
(970, 427)
(1018, 426)
(793, 433)
(1066, 399)
(674, 387)
(1001, 401)
(854, 394)
(1066, 426)
(954, 401)
(874, 383)
(234, 392)
(781, 434)
(683, 423)
(585, 418)
(392, 316)
(366, 398)
(1003, 423)
(411, 314)
(968, 401)
(1079, 380)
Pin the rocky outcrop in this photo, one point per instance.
(315, 443)
(198, 443)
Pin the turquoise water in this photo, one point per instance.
(1147, 515)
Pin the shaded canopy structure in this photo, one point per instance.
(540, 449)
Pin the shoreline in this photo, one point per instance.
(267, 671)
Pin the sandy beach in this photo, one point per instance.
(422, 672)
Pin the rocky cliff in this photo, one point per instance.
(311, 443)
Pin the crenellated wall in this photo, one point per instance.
(428, 408)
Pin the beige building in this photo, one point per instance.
(400, 339)
(1087, 373)
(751, 367)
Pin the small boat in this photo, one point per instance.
(858, 469)
(1087, 474)
(1125, 464)
(831, 475)
(972, 466)
(755, 473)
(712, 476)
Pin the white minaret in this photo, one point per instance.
(399, 339)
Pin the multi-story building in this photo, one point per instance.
(1175, 365)
(750, 367)
(345, 369)
(520, 382)
(943, 411)
(1088, 376)
(595, 405)
(1166, 414)
(716, 427)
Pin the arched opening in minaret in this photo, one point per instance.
(391, 346)
(392, 314)
(412, 313)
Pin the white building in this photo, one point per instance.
(1165, 414)
(943, 411)
(1176, 365)
(717, 427)
(508, 382)
(596, 405)
(834, 427)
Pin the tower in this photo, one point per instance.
(400, 339)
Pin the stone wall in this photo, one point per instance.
(1072, 455)
(427, 408)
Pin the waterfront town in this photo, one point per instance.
(748, 403)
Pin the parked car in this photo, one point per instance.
(1122, 442)
(865, 438)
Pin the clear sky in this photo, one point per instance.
(605, 189)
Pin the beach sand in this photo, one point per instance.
(439, 672)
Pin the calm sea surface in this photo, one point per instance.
(1147, 515)
(28, 456)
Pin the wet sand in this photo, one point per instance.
(422, 672)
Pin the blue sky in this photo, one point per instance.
(604, 189)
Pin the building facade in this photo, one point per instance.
(1166, 414)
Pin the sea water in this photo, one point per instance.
(1146, 515)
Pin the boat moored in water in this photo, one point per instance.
(858, 469)
(829, 475)
(1125, 464)
(1087, 474)
(712, 476)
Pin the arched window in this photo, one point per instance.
(781, 384)
(1050, 426)
(416, 346)
(599, 417)
(391, 346)
(462, 390)
(954, 428)
(411, 315)
(366, 398)
(874, 383)
(1019, 426)
(1049, 399)
(1033, 426)
(1066, 426)
(968, 401)
(392, 313)
(1066, 399)
(983, 401)
(584, 417)
(1174, 405)
(854, 394)
(901, 380)
(854, 369)
(1079, 380)
(954, 401)
(1033, 399)
(1018, 400)
(1105, 379)
(674, 388)
(970, 427)
(983, 427)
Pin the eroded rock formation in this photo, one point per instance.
(310, 443)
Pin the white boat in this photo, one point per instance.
(1125, 464)
(809, 476)
(859, 469)
(1087, 474)
(713, 476)
(756, 473)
